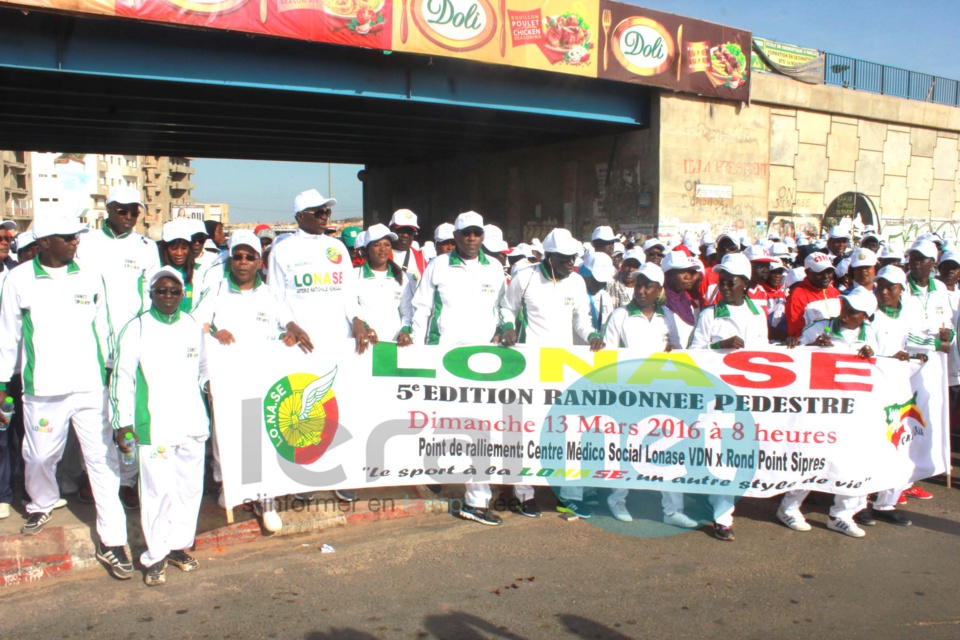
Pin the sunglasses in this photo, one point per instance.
(168, 291)
(564, 259)
(245, 257)
(68, 237)
(133, 212)
(405, 231)
(318, 213)
(472, 231)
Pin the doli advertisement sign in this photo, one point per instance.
(747, 423)
(592, 38)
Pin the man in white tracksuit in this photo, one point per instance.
(313, 273)
(457, 303)
(240, 308)
(155, 394)
(549, 304)
(124, 258)
(54, 313)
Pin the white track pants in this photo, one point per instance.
(478, 495)
(672, 501)
(844, 507)
(887, 500)
(46, 421)
(171, 485)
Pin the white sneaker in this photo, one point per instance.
(679, 519)
(271, 520)
(4, 510)
(59, 504)
(619, 510)
(795, 521)
(846, 527)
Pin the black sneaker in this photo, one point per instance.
(183, 560)
(155, 574)
(34, 523)
(720, 532)
(116, 560)
(527, 508)
(574, 507)
(476, 514)
(892, 516)
(346, 495)
(864, 518)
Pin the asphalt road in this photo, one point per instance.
(436, 577)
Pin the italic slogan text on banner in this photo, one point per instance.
(753, 423)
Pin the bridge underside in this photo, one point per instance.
(111, 86)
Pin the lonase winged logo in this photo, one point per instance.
(301, 415)
(897, 415)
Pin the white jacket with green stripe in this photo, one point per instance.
(458, 302)
(157, 384)
(57, 321)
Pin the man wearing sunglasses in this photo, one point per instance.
(123, 257)
(53, 320)
(404, 225)
(456, 303)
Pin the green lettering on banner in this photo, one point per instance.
(457, 362)
(385, 363)
(684, 369)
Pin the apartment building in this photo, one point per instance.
(15, 187)
(167, 184)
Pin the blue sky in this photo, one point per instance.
(917, 35)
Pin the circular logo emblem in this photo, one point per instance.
(300, 416)
(455, 25)
(334, 255)
(44, 422)
(643, 46)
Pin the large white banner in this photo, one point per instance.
(752, 423)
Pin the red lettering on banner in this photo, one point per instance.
(744, 361)
(825, 369)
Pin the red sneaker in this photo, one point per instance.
(902, 499)
(918, 493)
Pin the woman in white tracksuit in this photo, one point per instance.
(384, 290)
(156, 394)
(643, 325)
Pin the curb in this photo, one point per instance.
(58, 549)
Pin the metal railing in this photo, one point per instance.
(851, 73)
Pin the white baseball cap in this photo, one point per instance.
(838, 232)
(708, 238)
(790, 242)
(9, 225)
(735, 264)
(862, 300)
(892, 274)
(125, 194)
(377, 232)
(618, 248)
(443, 233)
(604, 234)
(246, 238)
(777, 264)
(25, 239)
(404, 218)
(651, 272)
(756, 253)
(635, 254)
(57, 225)
(521, 250)
(779, 249)
(654, 242)
(562, 241)
(794, 276)
(309, 199)
(468, 219)
(863, 258)
(842, 267)
(678, 260)
(925, 247)
(891, 252)
(818, 262)
(599, 265)
(165, 272)
(493, 239)
(178, 229)
(948, 256)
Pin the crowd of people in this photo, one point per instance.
(104, 329)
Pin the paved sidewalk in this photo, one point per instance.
(67, 542)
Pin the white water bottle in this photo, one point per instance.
(7, 410)
(130, 456)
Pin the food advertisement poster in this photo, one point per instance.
(592, 38)
(673, 52)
